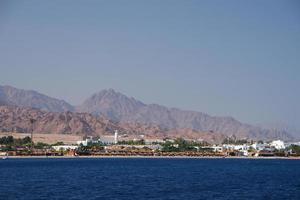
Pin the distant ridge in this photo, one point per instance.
(127, 110)
(111, 104)
(29, 98)
(17, 119)
(121, 108)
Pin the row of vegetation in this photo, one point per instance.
(9, 143)
(10, 140)
(234, 140)
(295, 149)
(181, 145)
(132, 142)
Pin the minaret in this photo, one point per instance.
(116, 136)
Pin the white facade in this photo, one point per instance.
(258, 146)
(116, 137)
(217, 149)
(243, 147)
(64, 147)
(107, 139)
(84, 142)
(278, 144)
(245, 153)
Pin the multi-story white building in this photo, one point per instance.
(277, 144)
(231, 147)
(108, 139)
(259, 146)
(85, 142)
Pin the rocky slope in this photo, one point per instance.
(16, 119)
(112, 104)
(124, 110)
(121, 108)
(28, 98)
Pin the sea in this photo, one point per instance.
(149, 178)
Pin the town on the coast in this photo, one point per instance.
(122, 145)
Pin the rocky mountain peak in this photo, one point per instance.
(29, 98)
(111, 104)
(117, 107)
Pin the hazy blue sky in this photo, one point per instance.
(237, 58)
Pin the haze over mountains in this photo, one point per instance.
(17, 119)
(121, 109)
(29, 98)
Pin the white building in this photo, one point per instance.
(244, 153)
(108, 139)
(64, 147)
(217, 149)
(84, 142)
(232, 147)
(116, 137)
(277, 144)
(105, 139)
(259, 146)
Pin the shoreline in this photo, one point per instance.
(150, 157)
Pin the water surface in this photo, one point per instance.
(141, 178)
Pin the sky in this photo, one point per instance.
(223, 57)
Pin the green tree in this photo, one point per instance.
(57, 144)
(41, 145)
(295, 149)
(26, 140)
(9, 140)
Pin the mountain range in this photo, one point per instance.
(18, 120)
(29, 98)
(121, 110)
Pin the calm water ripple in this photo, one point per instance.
(139, 178)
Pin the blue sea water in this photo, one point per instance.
(141, 178)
